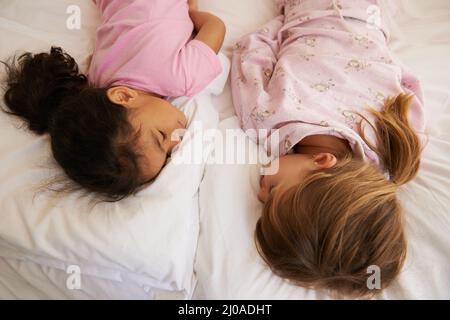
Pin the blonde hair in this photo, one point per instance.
(325, 232)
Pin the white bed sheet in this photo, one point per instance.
(227, 264)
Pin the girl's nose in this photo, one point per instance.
(175, 139)
(263, 195)
(263, 192)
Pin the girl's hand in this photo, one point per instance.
(193, 5)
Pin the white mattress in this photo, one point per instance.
(227, 264)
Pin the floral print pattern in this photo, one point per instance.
(314, 70)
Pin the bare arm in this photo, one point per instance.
(210, 29)
(193, 4)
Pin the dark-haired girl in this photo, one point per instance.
(111, 131)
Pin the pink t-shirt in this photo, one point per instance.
(146, 44)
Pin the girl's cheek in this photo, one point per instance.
(273, 181)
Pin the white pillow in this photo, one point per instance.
(149, 240)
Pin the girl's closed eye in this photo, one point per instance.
(163, 138)
(163, 135)
(263, 183)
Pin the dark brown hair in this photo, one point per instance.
(91, 137)
(325, 232)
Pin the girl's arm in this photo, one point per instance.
(193, 4)
(210, 29)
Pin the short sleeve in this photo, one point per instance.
(201, 65)
(106, 7)
(101, 4)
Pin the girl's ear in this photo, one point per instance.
(122, 95)
(324, 160)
